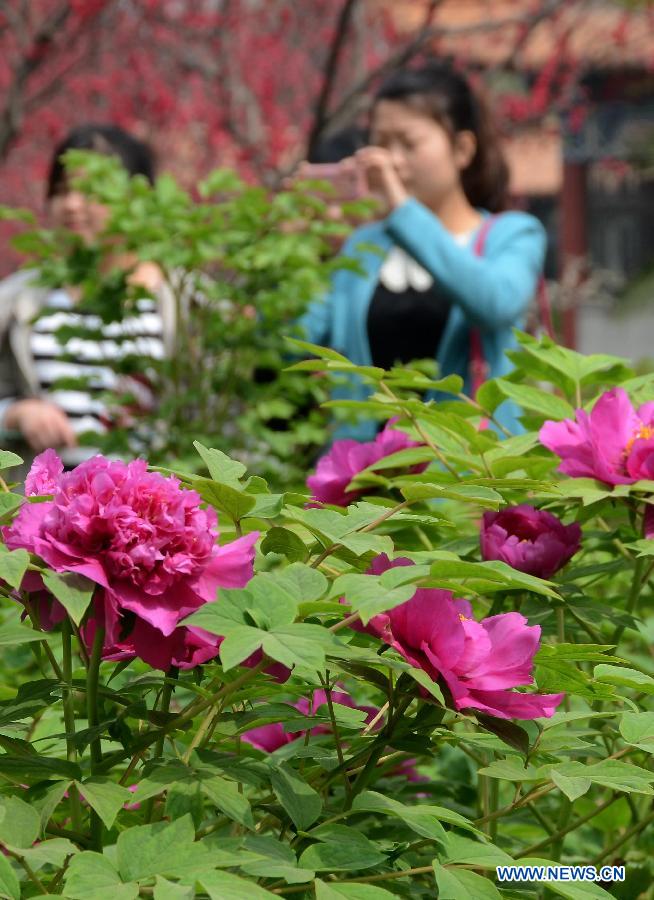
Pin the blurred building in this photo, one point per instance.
(579, 85)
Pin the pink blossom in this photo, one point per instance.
(147, 544)
(43, 477)
(347, 458)
(614, 443)
(477, 661)
(269, 738)
(530, 540)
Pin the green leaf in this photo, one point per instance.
(50, 800)
(225, 886)
(48, 853)
(548, 405)
(9, 503)
(73, 591)
(13, 633)
(104, 796)
(333, 890)
(461, 884)
(222, 468)
(234, 502)
(286, 543)
(611, 773)
(160, 849)
(239, 644)
(273, 859)
(629, 678)
(300, 644)
(370, 595)
(485, 497)
(341, 849)
(9, 459)
(9, 885)
(168, 890)
(302, 582)
(424, 819)
(225, 796)
(91, 876)
(572, 787)
(465, 851)
(637, 728)
(13, 565)
(300, 801)
(20, 825)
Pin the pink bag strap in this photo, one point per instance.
(478, 363)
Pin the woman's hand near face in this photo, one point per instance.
(42, 424)
(381, 176)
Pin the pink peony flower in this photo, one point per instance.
(614, 443)
(147, 544)
(269, 738)
(478, 661)
(43, 477)
(337, 468)
(531, 540)
(648, 522)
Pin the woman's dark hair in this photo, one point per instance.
(436, 89)
(135, 155)
(339, 145)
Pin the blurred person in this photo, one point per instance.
(447, 273)
(34, 411)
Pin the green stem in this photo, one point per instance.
(634, 593)
(567, 828)
(636, 829)
(93, 717)
(336, 733)
(69, 718)
(166, 695)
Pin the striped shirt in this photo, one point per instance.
(77, 374)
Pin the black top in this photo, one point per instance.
(405, 325)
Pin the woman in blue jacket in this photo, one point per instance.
(435, 163)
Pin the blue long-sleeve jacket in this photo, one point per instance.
(491, 293)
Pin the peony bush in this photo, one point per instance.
(433, 661)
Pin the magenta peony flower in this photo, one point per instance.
(478, 661)
(269, 738)
(337, 468)
(146, 542)
(614, 443)
(43, 477)
(531, 540)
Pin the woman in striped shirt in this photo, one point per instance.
(35, 406)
